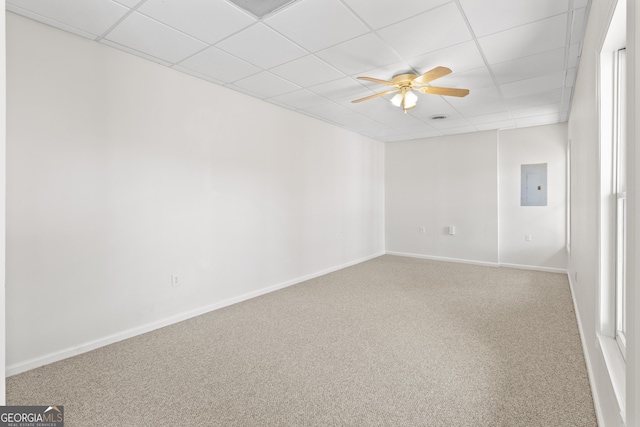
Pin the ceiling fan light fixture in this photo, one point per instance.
(410, 100)
(397, 99)
(405, 99)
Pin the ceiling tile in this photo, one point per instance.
(317, 24)
(342, 89)
(153, 38)
(461, 57)
(542, 98)
(265, 85)
(426, 134)
(279, 104)
(89, 16)
(431, 105)
(307, 71)
(492, 16)
(198, 75)
(353, 120)
(473, 110)
(405, 122)
(446, 27)
(365, 124)
(206, 20)
(327, 111)
(533, 85)
(134, 52)
(300, 99)
(384, 111)
(538, 120)
(262, 46)
(242, 90)
(376, 107)
(378, 17)
(306, 56)
(219, 65)
(539, 110)
(384, 133)
(360, 54)
(526, 40)
(448, 123)
(506, 124)
(477, 96)
(458, 130)
(388, 134)
(341, 119)
(529, 66)
(473, 80)
(489, 118)
(130, 3)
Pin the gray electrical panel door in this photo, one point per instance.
(533, 185)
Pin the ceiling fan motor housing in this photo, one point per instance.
(404, 80)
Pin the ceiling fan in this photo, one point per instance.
(405, 84)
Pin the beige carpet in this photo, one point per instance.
(390, 342)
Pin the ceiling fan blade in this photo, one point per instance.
(431, 75)
(371, 79)
(366, 98)
(447, 91)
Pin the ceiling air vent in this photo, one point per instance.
(261, 8)
(439, 117)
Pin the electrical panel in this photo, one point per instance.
(533, 185)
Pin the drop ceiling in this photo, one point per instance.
(519, 58)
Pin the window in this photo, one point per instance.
(620, 195)
(612, 201)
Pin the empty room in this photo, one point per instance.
(320, 213)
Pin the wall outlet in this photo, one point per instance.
(423, 229)
(527, 237)
(175, 280)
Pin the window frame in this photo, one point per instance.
(612, 352)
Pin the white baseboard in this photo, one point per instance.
(46, 359)
(535, 268)
(475, 262)
(594, 391)
(439, 258)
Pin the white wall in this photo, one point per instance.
(123, 172)
(458, 180)
(440, 182)
(584, 261)
(3, 147)
(545, 224)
